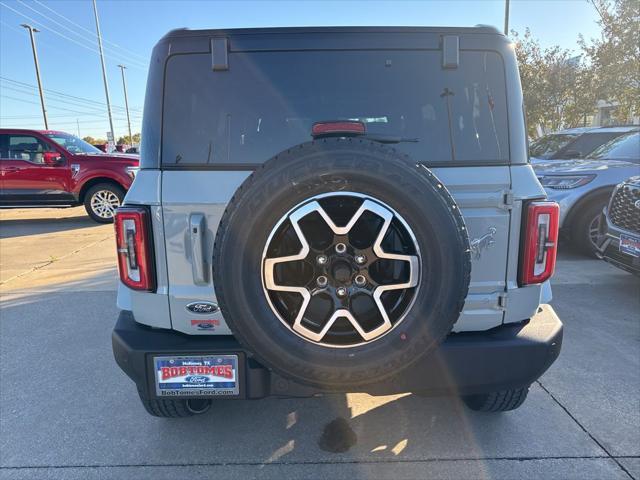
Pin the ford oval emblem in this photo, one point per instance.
(203, 308)
(196, 379)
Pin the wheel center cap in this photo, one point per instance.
(341, 271)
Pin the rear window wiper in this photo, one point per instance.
(388, 138)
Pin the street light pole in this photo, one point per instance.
(104, 70)
(33, 30)
(126, 102)
(506, 17)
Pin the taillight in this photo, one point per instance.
(540, 242)
(134, 245)
(347, 127)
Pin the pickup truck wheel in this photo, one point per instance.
(167, 408)
(502, 401)
(341, 262)
(102, 200)
(585, 228)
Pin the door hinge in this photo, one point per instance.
(507, 199)
(502, 301)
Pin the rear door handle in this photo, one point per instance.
(197, 230)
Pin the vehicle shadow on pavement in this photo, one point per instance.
(20, 227)
(62, 339)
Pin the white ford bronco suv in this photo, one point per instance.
(334, 210)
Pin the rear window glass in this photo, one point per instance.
(267, 102)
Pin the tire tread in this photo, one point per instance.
(501, 401)
(166, 408)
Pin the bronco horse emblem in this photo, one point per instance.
(483, 243)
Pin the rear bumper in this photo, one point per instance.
(509, 356)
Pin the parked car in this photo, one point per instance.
(133, 150)
(46, 168)
(619, 241)
(582, 187)
(285, 253)
(574, 143)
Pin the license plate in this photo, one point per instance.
(630, 245)
(210, 375)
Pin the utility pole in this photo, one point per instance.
(506, 17)
(78, 124)
(33, 30)
(104, 71)
(126, 103)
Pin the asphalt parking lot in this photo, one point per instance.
(67, 411)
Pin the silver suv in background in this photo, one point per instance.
(619, 242)
(335, 210)
(582, 187)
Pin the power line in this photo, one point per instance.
(74, 32)
(88, 108)
(55, 92)
(60, 115)
(142, 57)
(123, 125)
(41, 44)
(96, 112)
(46, 27)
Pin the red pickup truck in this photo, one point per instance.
(46, 168)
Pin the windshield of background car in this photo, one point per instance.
(545, 147)
(72, 143)
(585, 144)
(624, 147)
(267, 102)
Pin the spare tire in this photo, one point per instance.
(340, 262)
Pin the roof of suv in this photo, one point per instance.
(612, 129)
(186, 32)
(31, 130)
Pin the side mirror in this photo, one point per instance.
(53, 159)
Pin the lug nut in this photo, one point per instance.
(341, 248)
(321, 259)
(341, 291)
(321, 281)
(360, 280)
(360, 259)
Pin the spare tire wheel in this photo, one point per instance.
(340, 262)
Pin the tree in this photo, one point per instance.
(615, 56)
(94, 141)
(556, 85)
(126, 140)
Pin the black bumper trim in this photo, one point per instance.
(509, 356)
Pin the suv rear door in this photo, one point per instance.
(219, 124)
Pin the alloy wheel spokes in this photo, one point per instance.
(104, 203)
(341, 271)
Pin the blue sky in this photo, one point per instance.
(70, 66)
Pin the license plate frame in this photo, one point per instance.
(196, 375)
(630, 245)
